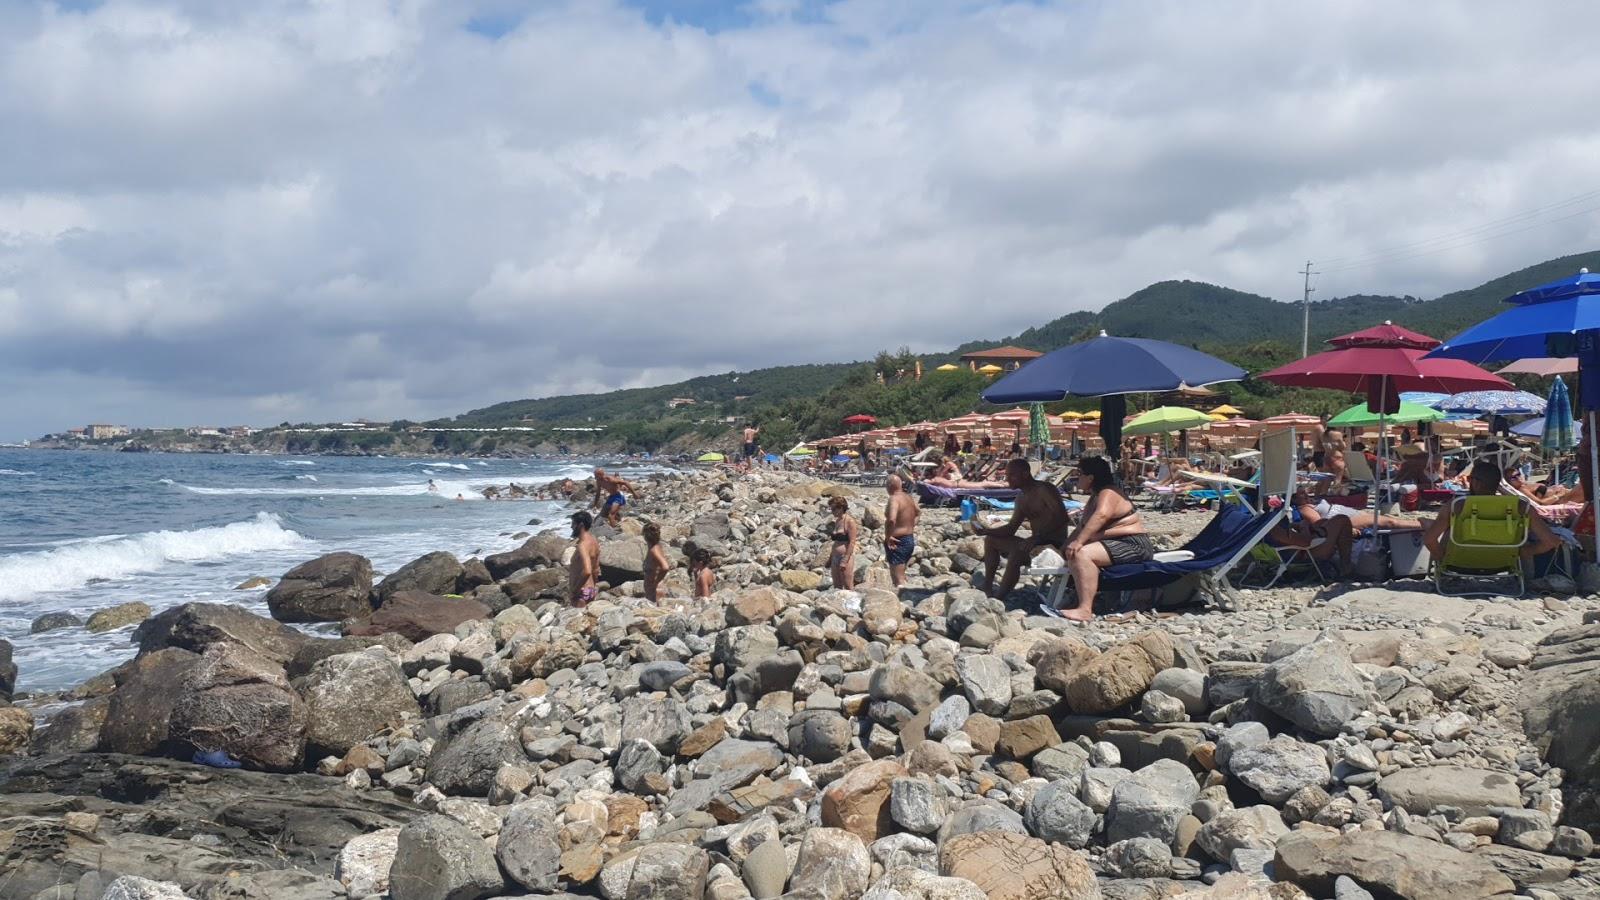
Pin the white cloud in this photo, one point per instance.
(332, 208)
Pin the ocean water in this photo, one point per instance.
(82, 531)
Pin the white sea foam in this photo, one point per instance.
(447, 489)
(305, 478)
(439, 465)
(15, 472)
(296, 462)
(111, 557)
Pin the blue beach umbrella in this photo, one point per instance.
(1558, 435)
(1110, 368)
(1497, 403)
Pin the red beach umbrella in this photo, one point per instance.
(864, 419)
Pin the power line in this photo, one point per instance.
(1362, 264)
(1491, 225)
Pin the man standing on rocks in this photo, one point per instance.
(751, 432)
(608, 495)
(585, 560)
(899, 529)
(1039, 505)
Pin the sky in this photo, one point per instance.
(316, 210)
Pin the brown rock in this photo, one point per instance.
(859, 802)
(1010, 866)
(703, 738)
(755, 606)
(16, 729)
(139, 717)
(1396, 864)
(582, 863)
(1205, 755)
(1111, 680)
(1022, 738)
(983, 731)
(360, 757)
(1057, 659)
(933, 758)
(416, 616)
(1159, 647)
(624, 813)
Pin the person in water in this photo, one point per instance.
(1038, 506)
(608, 496)
(842, 561)
(655, 562)
(585, 565)
(702, 574)
(1111, 534)
(432, 488)
(899, 529)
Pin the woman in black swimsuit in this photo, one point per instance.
(842, 564)
(1111, 534)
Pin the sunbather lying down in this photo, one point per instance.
(1313, 512)
(957, 483)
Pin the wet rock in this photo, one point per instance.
(329, 588)
(53, 621)
(119, 616)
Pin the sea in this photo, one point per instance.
(85, 530)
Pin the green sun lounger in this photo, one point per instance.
(1485, 539)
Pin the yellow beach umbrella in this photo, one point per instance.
(1225, 411)
(948, 367)
(1072, 415)
(1217, 417)
(990, 369)
(1092, 414)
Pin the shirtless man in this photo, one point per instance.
(585, 560)
(751, 432)
(655, 562)
(1039, 506)
(608, 495)
(899, 529)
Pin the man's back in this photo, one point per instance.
(1040, 505)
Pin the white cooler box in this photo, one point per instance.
(1407, 555)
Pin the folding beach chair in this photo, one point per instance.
(1485, 539)
(1279, 560)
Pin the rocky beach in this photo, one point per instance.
(470, 735)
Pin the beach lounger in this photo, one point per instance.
(1485, 539)
(1279, 560)
(934, 495)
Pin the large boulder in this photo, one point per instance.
(417, 615)
(1111, 680)
(1279, 767)
(529, 847)
(1560, 704)
(1009, 866)
(8, 671)
(438, 572)
(622, 560)
(1150, 802)
(661, 871)
(1396, 865)
(196, 626)
(139, 713)
(240, 702)
(859, 802)
(351, 697)
(832, 864)
(541, 550)
(1316, 687)
(119, 616)
(465, 761)
(75, 729)
(438, 858)
(1473, 791)
(330, 588)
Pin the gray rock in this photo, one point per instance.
(52, 621)
(916, 805)
(664, 723)
(743, 646)
(833, 864)
(438, 858)
(465, 762)
(240, 702)
(1476, 792)
(1344, 888)
(662, 674)
(897, 851)
(1571, 842)
(1252, 828)
(351, 697)
(819, 735)
(1316, 687)
(766, 870)
(636, 761)
(436, 573)
(665, 871)
(196, 626)
(1187, 685)
(1237, 737)
(119, 616)
(986, 681)
(906, 883)
(1097, 785)
(1061, 762)
(364, 862)
(132, 887)
(1527, 829)
(904, 685)
(1151, 801)
(980, 815)
(1395, 864)
(1157, 707)
(949, 716)
(1560, 705)
(1139, 858)
(1055, 813)
(1280, 767)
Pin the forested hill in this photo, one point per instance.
(1251, 330)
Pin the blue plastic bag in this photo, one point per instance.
(969, 508)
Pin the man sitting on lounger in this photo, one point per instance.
(1484, 481)
(1039, 506)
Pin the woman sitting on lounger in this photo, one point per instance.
(948, 475)
(1112, 534)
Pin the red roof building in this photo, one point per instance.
(1007, 358)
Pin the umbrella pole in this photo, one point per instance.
(1383, 460)
(1594, 470)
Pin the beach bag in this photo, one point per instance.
(1408, 555)
(1366, 558)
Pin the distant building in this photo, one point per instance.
(676, 402)
(1007, 358)
(238, 431)
(102, 432)
(77, 432)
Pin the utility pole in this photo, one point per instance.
(1305, 306)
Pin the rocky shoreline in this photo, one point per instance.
(471, 736)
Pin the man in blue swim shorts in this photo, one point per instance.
(899, 529)
(608, 496)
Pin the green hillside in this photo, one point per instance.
(1251, 331)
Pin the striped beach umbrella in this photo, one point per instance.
(1558, 436)
(1038, 425)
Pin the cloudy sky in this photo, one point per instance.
(319, 209)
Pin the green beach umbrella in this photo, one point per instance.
(710, 457)
(801, 450)
(1165, 419)
(1359, 416)
(1038, 425)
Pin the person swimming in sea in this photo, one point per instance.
(432, 488)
